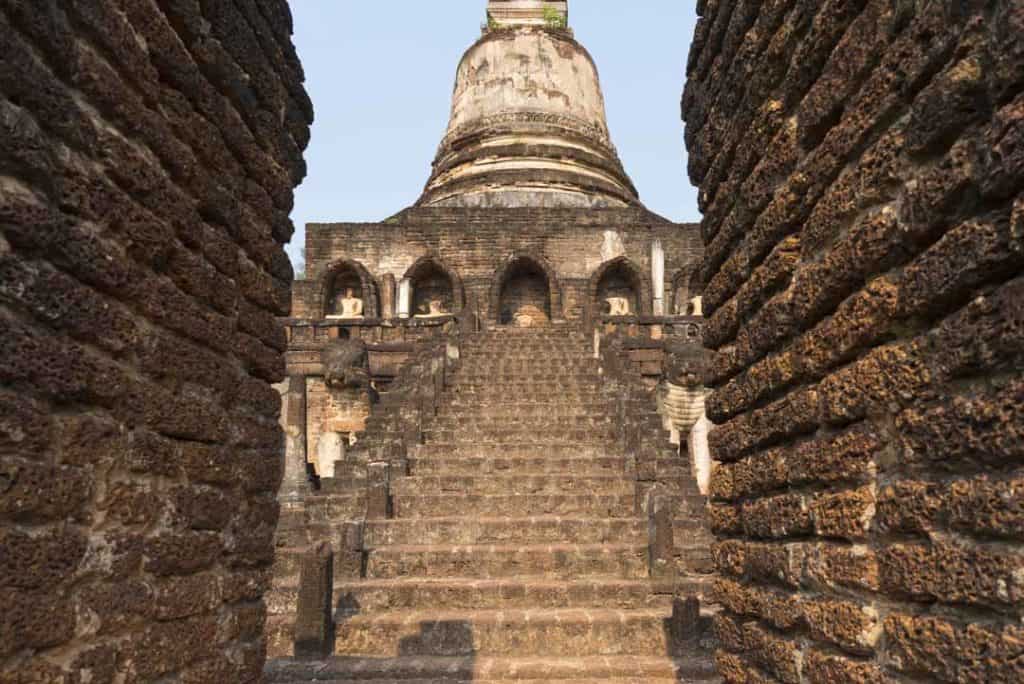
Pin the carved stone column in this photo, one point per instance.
(700, 452)
(295, 484)
(387, 296)
(661, 538)
(658, 277)
(404, 298)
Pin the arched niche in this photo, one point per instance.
(525, 289)
(618, 278)
(686, 288)
(434, 287)
(346, 276)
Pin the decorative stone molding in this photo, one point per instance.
(520, 121)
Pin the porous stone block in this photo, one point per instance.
(151, 151)
(863, 276)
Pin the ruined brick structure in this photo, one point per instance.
(148, 152)
(860, 166)
(471, 415)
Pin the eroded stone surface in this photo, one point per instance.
(150, 151)
(858, 167)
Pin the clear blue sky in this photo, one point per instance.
(381, 76)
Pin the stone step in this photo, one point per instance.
(512, 342)
(551, 450)
(567, 365)
(531, 530)
(567, 385)
(524, 347)
(522, 410)
(282, 598)
(547, 388)
(342, 484)
(598, 401)
(688, 502)
(521, 436)
(416, 670)
(690, 533)
(370, 596)
(513, 422)
(514, 485)
(280, 633)
(511, 633)
(528, 349)
(491, 429)
(349, 471)
(329, 507)
(514, 379)
(458, 679)
(536, 465)
(552, 561)
(528, 354)
(515, 506)
(288, 562)
(562, 331)
(531, 363)
(547, 392)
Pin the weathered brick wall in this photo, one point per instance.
(475, 243)
(860, 165)
(331, 410)
(148, 152)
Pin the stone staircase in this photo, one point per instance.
(518, 547)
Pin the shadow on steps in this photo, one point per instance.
(689, 635)
(451, 641)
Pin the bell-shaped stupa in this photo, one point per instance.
(528, 125)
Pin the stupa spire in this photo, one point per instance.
(550, 13)
(528, 125)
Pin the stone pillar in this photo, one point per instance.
(404, 297)
(295, 483)
(661, 538)
(387, 296)
(700, 453)
(658, 277)
(314, 627)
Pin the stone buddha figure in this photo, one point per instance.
(689, 307)
(432, 309)
(351, 306)
(618, 306)
(529, 316)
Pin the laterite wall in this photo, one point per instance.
(148, 152)
(861, 168)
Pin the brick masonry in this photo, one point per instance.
(473, 245)
(148, 153)
(860, 166)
